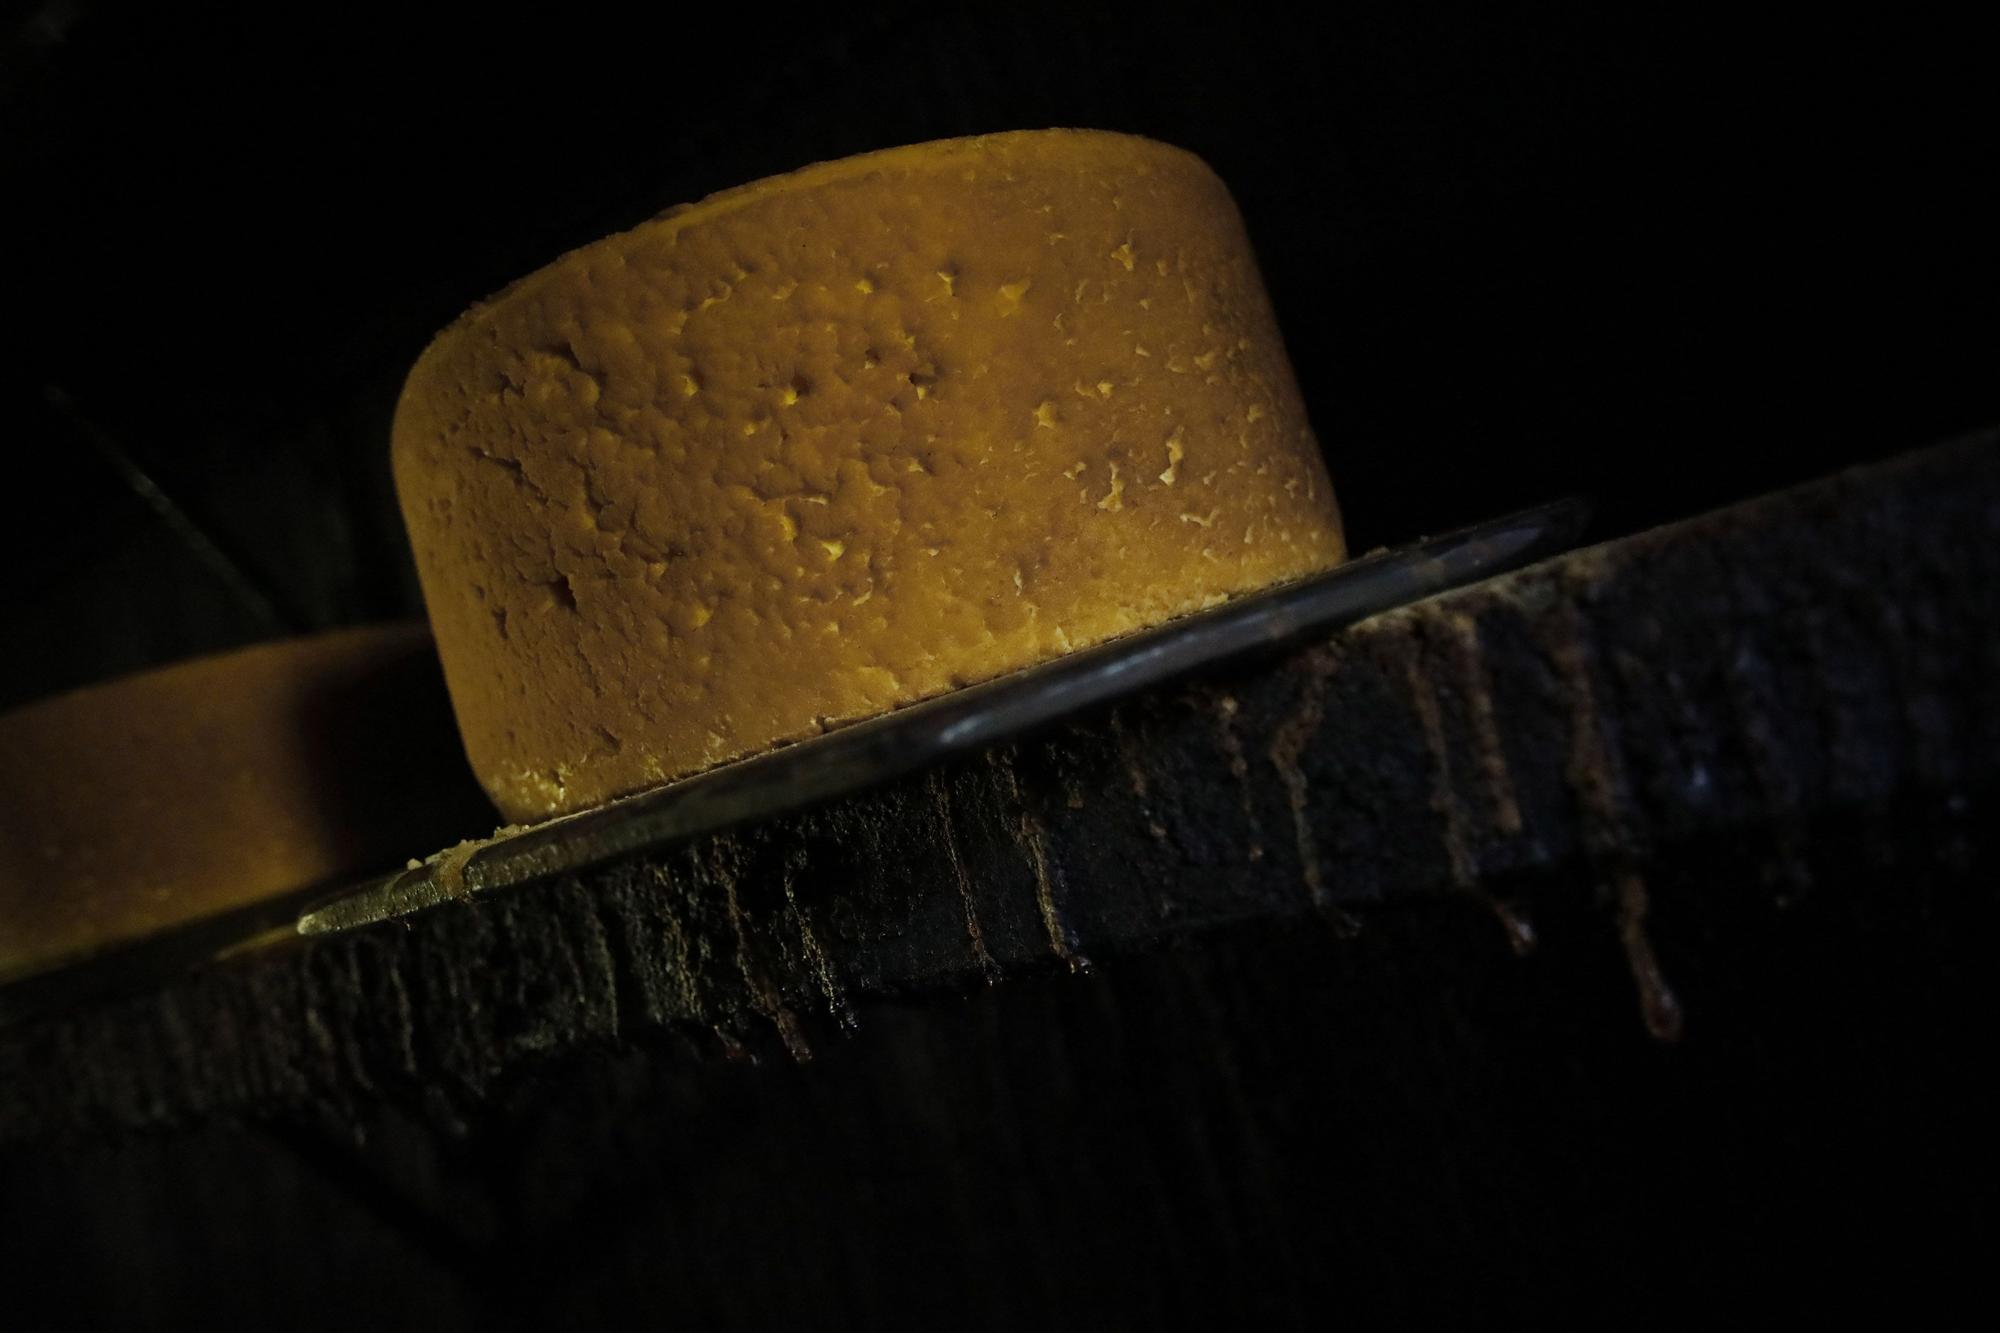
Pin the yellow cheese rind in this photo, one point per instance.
(841, 440)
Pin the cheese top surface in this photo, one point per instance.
(838, 441)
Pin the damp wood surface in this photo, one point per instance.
(1787, 676)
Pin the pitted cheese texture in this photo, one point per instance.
(842, 440)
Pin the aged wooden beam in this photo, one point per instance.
(1784, 675)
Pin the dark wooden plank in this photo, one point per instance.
(1804, 661)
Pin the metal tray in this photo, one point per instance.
(838, 762)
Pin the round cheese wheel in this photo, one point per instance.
(160, 798)
(841, 440)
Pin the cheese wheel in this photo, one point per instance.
(841, 440)
(154, 800)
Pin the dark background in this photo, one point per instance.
(1662, 261)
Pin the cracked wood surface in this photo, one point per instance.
(1820, 655)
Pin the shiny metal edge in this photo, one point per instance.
(851, 758)
(836, 763)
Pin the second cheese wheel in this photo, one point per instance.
(841, 440)
(140, 804)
